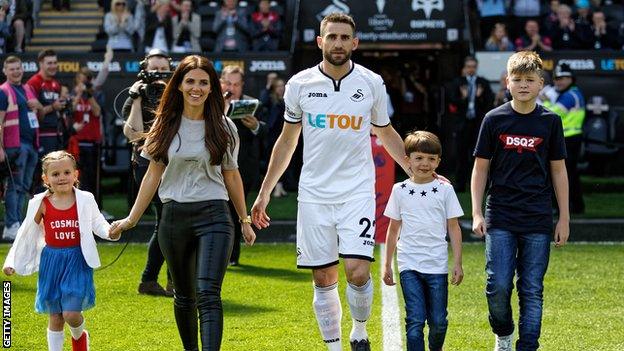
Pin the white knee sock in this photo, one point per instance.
(55, 340)
(328, 315)
(77, 332)
(360, 300)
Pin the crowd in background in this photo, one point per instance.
(170, 25)
(176, 26)
(237, 26)
(538, 25)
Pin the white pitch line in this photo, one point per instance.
(390, 314)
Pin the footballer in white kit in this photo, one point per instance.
(336, 104)
(336, 215)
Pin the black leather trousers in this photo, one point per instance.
(196, 240)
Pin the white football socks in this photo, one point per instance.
(360, 300)
(55, 340)
(77, 332)
(328, 315)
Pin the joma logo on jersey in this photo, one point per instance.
(335, 121)
(317, 95)
(520, 142)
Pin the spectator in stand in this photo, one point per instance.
(5, 30)
(266, 28)
(18, 141)
(532, 40)
(17, 15)
(231, 27)
(472, 97)
(550, 20)
(175, 7)
(272, 99)
(603, 37)
(490, 13)
(87, 125)
(522, 11)
(498, 40)
(569, 35)
(186, 29)
(583, 13)
(158, 28)
(120, 26)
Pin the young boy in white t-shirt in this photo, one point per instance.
(423, 209)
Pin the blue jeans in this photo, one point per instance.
(25, 158)
(526, 255)
(426, 298)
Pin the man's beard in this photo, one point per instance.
(336, 62)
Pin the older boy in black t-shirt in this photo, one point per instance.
(522, 150)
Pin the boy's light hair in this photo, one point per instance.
(525, 62)
(425, 142)
(11, 59)
(337, 17)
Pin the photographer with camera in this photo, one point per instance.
(139, 112)
(86, 125)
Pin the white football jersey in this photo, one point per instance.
(336, 117)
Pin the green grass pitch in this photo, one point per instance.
(268, 304)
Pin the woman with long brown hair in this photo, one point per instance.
(192, 150)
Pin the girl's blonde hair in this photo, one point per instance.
(57, 156)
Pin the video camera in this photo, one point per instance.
(153, 81)
(149, 77)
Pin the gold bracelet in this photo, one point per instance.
(245, 220)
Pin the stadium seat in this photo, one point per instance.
(600, 126)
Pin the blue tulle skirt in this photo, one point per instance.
(65, 281)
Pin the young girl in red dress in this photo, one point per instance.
(56, 238)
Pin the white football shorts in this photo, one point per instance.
(327, 232)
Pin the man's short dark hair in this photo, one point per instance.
(337, 17)
(45, 53)
(470, 59)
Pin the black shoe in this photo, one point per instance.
(154, 289)
(169, 287)
(361, 345)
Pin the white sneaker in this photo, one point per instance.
(503, 343)
(9, 233)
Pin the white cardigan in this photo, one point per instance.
(25, 253)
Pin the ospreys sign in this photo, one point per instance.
(389, 21)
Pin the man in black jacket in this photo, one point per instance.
(471, 98)
(250, 132)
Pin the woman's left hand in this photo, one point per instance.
(248, 234)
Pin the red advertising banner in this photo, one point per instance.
(384, 179)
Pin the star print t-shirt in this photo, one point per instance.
(520, 148)
(424, 210)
